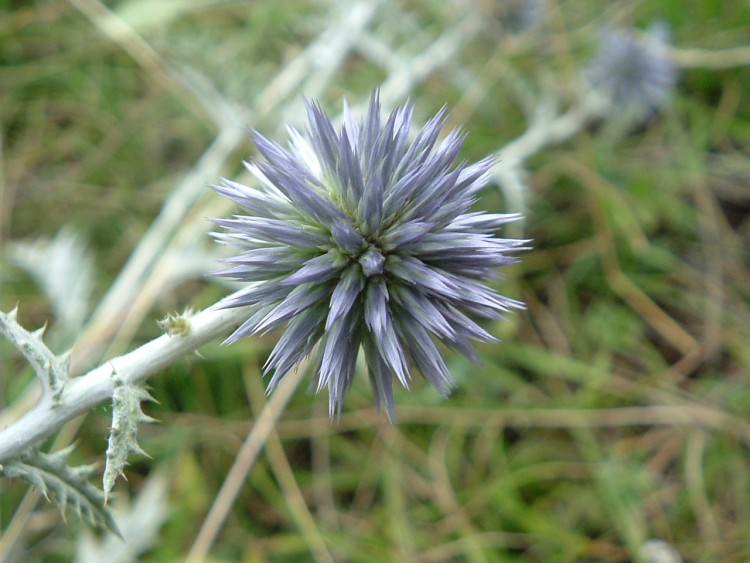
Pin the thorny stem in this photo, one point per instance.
(82, 393)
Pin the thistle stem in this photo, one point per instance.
(82, 393)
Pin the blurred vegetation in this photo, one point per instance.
(614, 412)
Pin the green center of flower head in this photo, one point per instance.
(352, 246)
(372, 262)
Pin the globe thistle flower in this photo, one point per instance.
(519, 16)
(358, 239)
(635, 73)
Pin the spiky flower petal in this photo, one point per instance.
(359, 239)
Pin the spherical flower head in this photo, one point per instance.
(519, 16)
(359, 239)
(634, 72)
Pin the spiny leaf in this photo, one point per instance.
(51, 370)
(63, 269)
(62, 485)
(123, 437)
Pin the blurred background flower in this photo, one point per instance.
(518, 16)
(634, 69)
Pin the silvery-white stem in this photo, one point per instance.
(82, 393)
(546, 128)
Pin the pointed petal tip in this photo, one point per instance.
(231, 339)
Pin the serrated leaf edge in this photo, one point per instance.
(51, 370)
(127, 414)
(63, 485)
